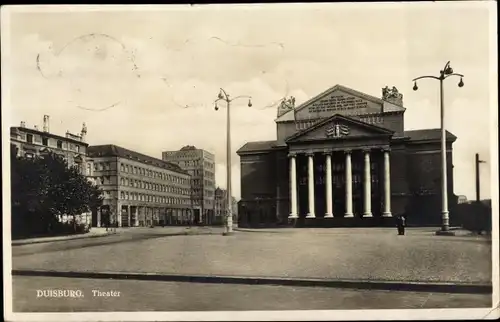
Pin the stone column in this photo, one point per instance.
(119, 214)
(387, 185)
(348, 184)
(136, 224)
(310, 185)
(129, 214)
(367, 185)
(329, 189)
(98, 217)
(293, 186)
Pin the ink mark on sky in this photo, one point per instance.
(99, 46)
(231, 44)
(100, 53)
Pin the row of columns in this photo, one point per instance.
(348, 185)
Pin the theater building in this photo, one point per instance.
(343, 158)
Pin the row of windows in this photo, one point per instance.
(195, 163)
(153, 186)
(153, 198)
(101, 166)
(209, 165)
(30, 138)
(200, 172)
(152, 174)
(206, 192)
(177, 155)
(304, 125)
(372, 119)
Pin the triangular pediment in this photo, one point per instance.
(341, 100)
(339, 127)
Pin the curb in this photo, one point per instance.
(333, 283)
(183, 233)
(21, 242)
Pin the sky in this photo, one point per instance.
(146, 78)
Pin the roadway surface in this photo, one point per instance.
(376, 254)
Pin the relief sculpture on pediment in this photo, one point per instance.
(337, 130)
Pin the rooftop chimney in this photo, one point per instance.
(83, 134)
(46, 123)
(23, 124)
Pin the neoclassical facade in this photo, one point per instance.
(343, 158)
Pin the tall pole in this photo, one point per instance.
(446, 72)
(444, 166)
(223, 96)
(477, 178)
(229, 226)
(478, 185)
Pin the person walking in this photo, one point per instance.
(401, 223)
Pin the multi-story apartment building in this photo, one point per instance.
(31, 142)
(201, 166)
(139, 190)
(220, 209)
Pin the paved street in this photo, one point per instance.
(167, 296)
(352, 254)
(360, 254)
(122, 236)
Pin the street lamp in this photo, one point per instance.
(446, 72)
(223, 96)
(478, 185)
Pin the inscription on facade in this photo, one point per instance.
(338, 103)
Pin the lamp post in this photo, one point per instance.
(478, 186)
(223, 96)
(446, 72)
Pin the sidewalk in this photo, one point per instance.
(93, 233)
(130, 232)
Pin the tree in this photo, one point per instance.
(45, 188)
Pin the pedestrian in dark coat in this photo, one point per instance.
(401, 223)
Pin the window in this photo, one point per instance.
(77, 148)
(45, 141)
(29, 138)
(59, 144)
(122, 195)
